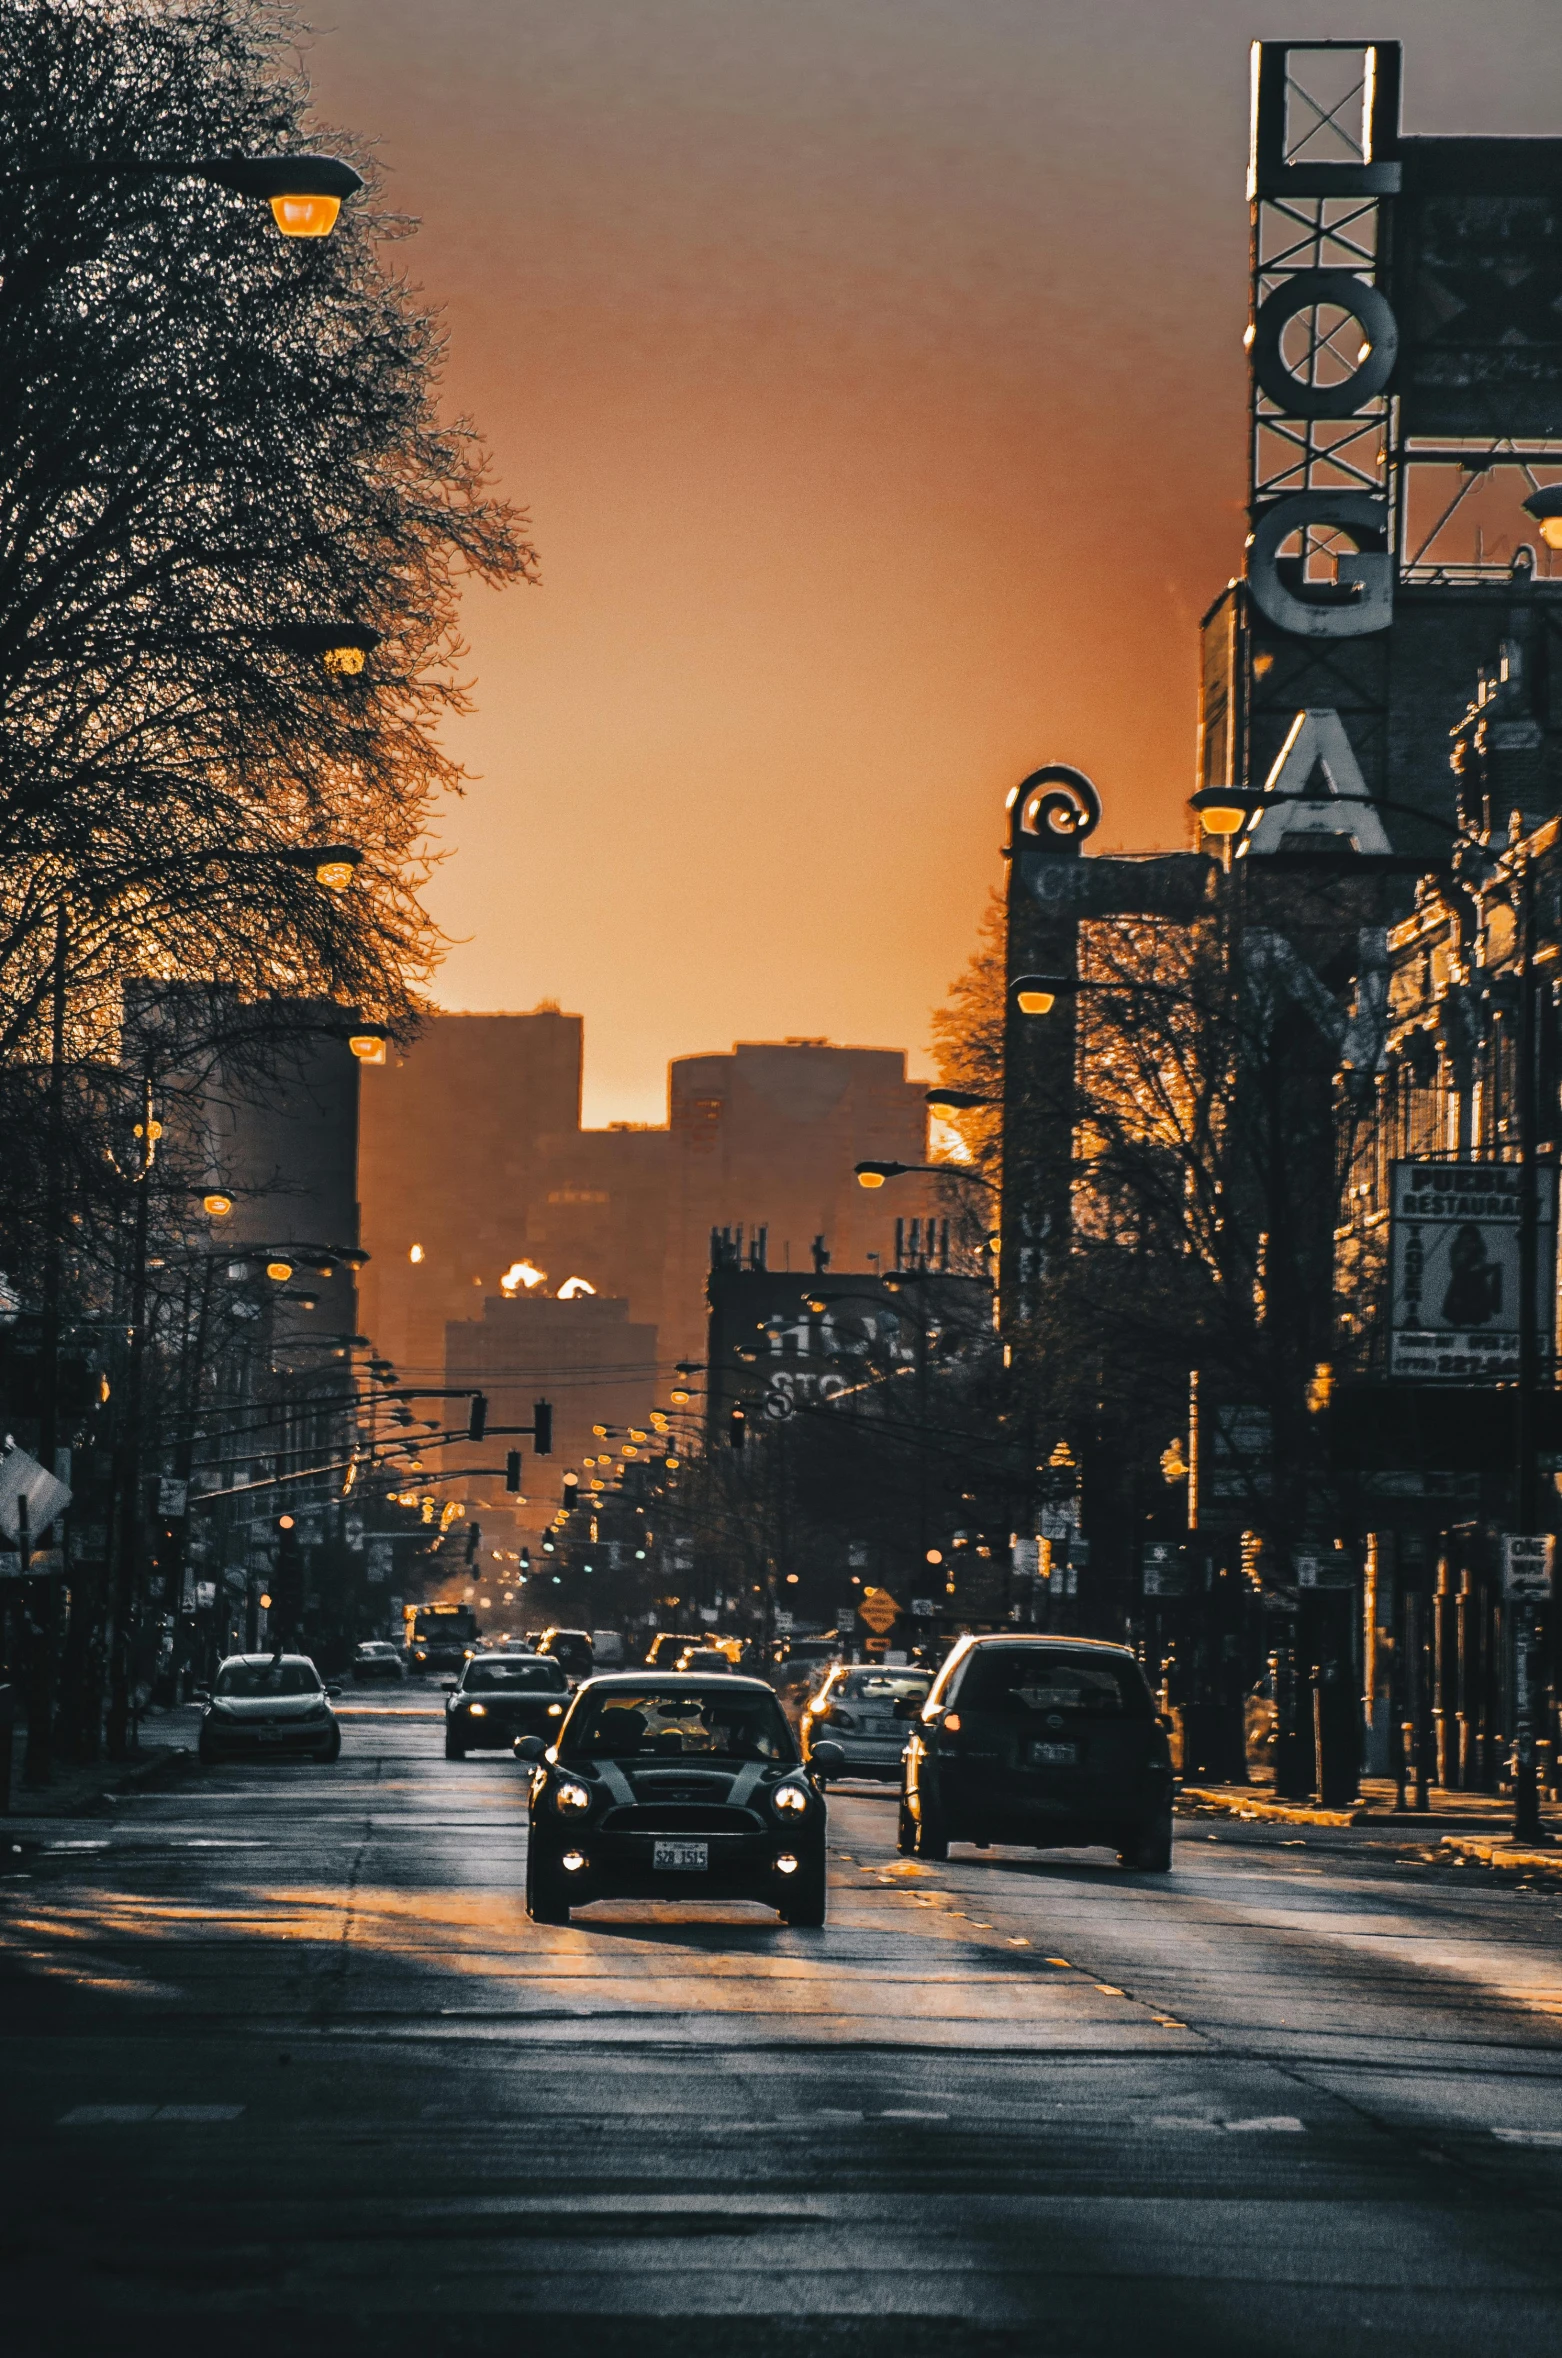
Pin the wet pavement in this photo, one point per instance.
(284, 2065)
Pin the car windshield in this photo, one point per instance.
(1026, 1679)
(530, 1673)
(670, 1723)
(882, 1686)
(376, 1649)
(268, 1678)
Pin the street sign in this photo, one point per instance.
(172, 1497)
(1162, 1566)
(783, 1623)
(1454, 1271)
(879, 1610)
(29, 1494)
(922, 1608)
(1527, 1565)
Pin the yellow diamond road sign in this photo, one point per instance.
(879, 1610)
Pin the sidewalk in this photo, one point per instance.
(1469, 1829)
(77, 1790)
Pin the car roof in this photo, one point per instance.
(626, 1681)
(515, 1654)
(308, 1659)
(1050, 1641)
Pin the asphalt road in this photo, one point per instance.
(284, 2067)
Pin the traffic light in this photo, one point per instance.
(542, 1427)
(512, 1470)
(737, 1429)
(571, 1493)
(474, 1534)
(526, 1561)
(477, 1417)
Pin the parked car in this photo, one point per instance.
(1036, 1740)
(572, 1647)
(501, 1696)
(669, 1787)
(856, 1710)
(378, 1658)
(263, 1706)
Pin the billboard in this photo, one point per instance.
(1454, 1271)
(1476, 283)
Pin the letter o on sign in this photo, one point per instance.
(1308, 290)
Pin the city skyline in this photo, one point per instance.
(875, 381)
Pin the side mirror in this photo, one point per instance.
(529, 1748)
(333, 1690)
(449, 1685)
(828, 1758)
(200, 1694)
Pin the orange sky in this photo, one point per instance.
(872, 370)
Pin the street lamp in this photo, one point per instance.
(1545, 506)
(960, 1100)
(875, 1174)
(305, 193)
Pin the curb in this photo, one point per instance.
(1498, 1853)
(168, 1768)
(1277, 1813)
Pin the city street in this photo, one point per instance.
(281, 2045)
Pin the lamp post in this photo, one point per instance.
(305, 192)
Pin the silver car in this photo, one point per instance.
(263, 1706)
(854, 1711)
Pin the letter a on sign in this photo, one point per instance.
(1317, 788)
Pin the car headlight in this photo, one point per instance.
(572, 1796)
(790, 1797)
(478, 1710)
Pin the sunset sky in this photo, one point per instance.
(872, 371)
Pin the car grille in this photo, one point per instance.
(672, 1817)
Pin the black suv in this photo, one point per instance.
(1047, 1741)
(667, 1787)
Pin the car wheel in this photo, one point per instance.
(906, 1833)
(546, 1899)
(1151, 1854)
(932, 1835)
(207, 1754)
(804, 1905)
(453, 1750)
(333, 1750)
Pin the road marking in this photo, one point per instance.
(1277, 2120)
(1063, 1961)
(1529, 2136)
(906, 2113)
(97, 2116)
(1109, 1989)
(1017, 1940)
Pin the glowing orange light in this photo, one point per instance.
(305, 216)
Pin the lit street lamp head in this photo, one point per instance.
(305, 193)
(1037, 994)
(1545, 506)
(957, 1100)
(875, 1174)
(1225, 810)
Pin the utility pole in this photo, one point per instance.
(127, 1468)
(43, 1610)
(1526, 1795)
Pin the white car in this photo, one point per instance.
(855, 1711)
(266, 1705)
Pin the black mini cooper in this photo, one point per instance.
(1045, 1741)
(670, 1787)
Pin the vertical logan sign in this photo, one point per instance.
(1454, 1271)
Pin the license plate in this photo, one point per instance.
(1054, 1755)
(273, 1735)
(686, 1857)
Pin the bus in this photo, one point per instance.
(440, 1637)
